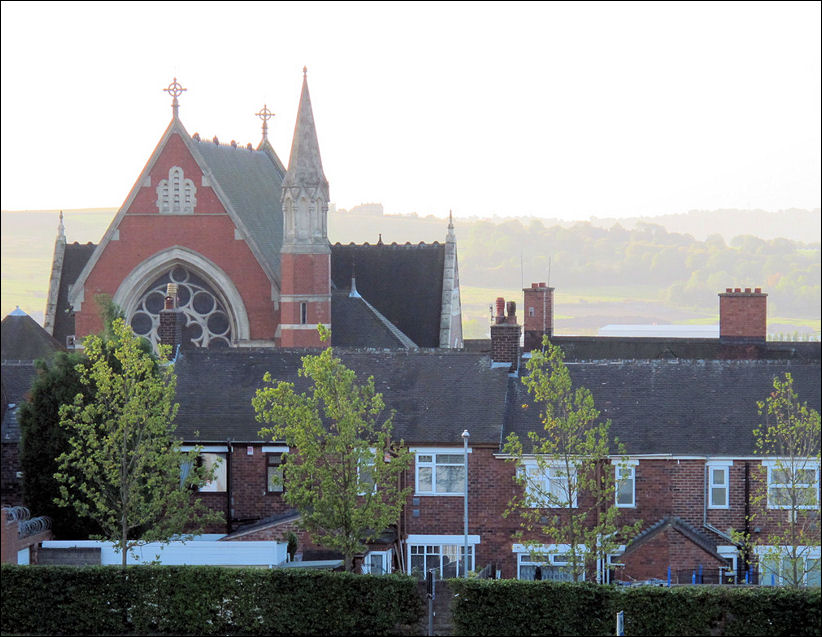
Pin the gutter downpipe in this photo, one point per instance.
(230, 497)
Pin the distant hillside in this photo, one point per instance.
(663, 267)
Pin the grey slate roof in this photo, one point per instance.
(24, 340)
(678, 407)
(403, 282)
(435, 395)
(356, 323)
(17, 379)
(74, 260)
(251, 179)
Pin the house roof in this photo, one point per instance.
(435, 395)
(704, 542)
(24, 340)
(679, 407)
(403, 282)
(17, 379)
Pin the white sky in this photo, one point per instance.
(555, 110)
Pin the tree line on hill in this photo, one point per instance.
(688, 272)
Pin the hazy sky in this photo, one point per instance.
(557, 110)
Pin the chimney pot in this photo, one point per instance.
(728, 290)
(535, 285)
(542, 284)
(737, 290)
(758, 290)
(499, 315)
(512, 311)
(747, 290)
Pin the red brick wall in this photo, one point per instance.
(668, 548)
(743, 315)
(541, 299)
(210, 232)
(305, 274)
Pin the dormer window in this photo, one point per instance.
(176, 195)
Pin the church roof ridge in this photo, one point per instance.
(393, 244)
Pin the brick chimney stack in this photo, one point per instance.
(170, 330)
(505, 333)
(538, 314)
(743, 315)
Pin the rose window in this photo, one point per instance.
(206, 322)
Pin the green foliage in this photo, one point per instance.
(42, 440)
(343, 471)
(790, 437)
(203, 600)
(568, 484)
(123, 465)
(511, 607)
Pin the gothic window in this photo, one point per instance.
(176, 195)
(206, 320)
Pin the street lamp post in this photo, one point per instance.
(465, 436)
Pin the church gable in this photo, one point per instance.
(175, 184)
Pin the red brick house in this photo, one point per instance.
(223, 251)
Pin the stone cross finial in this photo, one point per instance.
(265, 115)
(175, 89)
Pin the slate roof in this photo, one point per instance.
(17, 379)
(403, 282)
(251, 179)
(357, 323)
(435, 395)
(678, 407)
(74, 260)
(23, 339)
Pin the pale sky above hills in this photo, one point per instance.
(557, 110)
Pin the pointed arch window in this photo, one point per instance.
(177, 194)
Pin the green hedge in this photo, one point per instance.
(203, 600)
(510, 607)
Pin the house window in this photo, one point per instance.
(544, 567)
(303, 313)
(440, 473)
(274, 472)
(718, 493)
(378, 562)
(792, 487)
(549, 486)
(625, 485)
(218, 460)
(446, 559)
(776, 569)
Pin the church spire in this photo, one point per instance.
(305, 167)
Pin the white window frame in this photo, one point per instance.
(725, 467)
(538, 483)
(440, 541)
(801, 465)
(432, 464)
(767, 554)
(554, 554)
(386, 558)
(629, 465)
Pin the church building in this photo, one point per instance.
(220, 245)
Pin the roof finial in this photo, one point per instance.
(61, 229)
(265, 115)
(450, 220)
(175, 89)
(379, 241)
(305, 72)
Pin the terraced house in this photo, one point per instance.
(222, 252)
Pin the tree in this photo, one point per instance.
(789, 503)
(343, 471)
(123, 468)
(568, 483)
(42, 440)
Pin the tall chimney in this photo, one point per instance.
(505, 335)
(538, 314)
(743, 315)
(170, 330)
